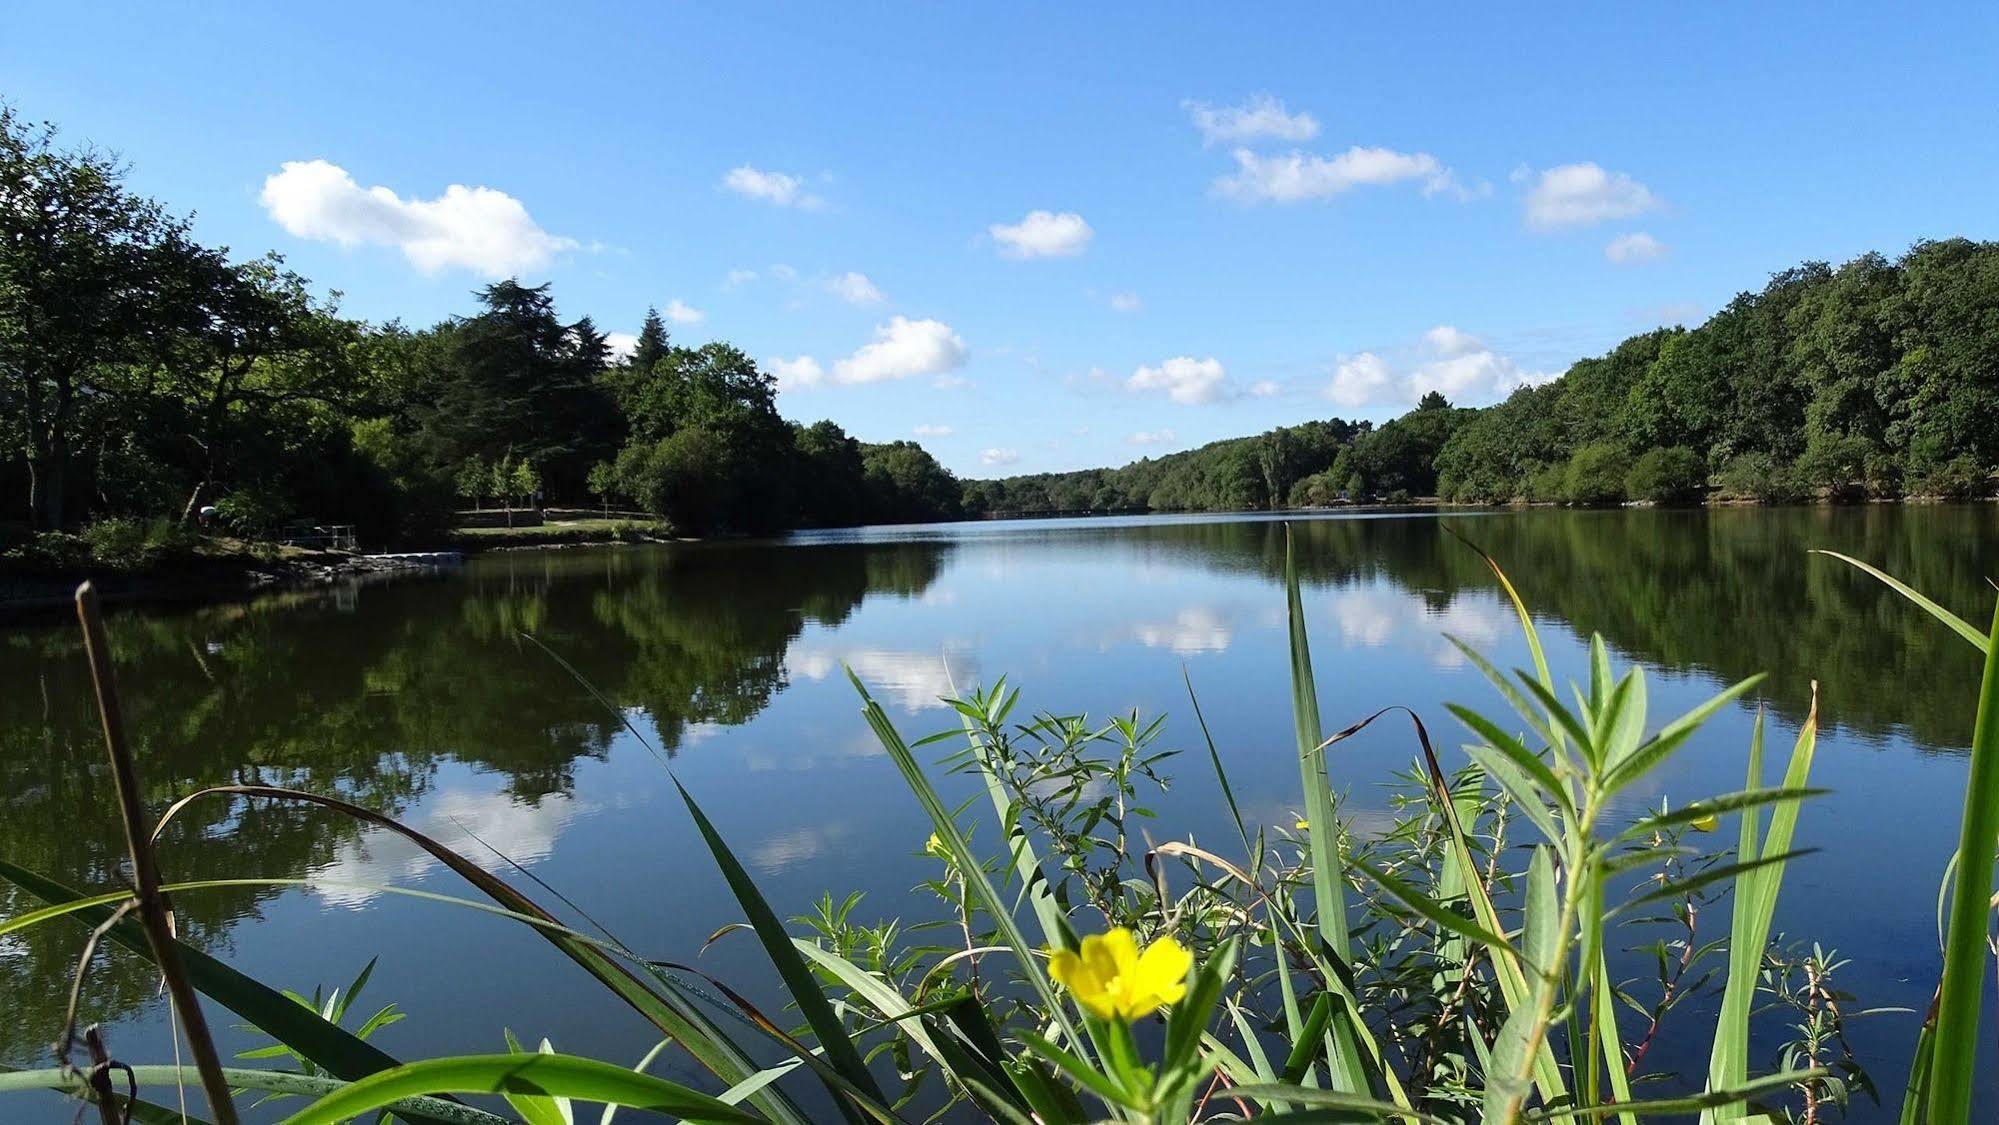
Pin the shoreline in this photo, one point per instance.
(34, 598)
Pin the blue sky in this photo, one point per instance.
(1069, 234)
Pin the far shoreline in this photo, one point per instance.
(40, 598)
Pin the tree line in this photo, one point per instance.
(1877, 379)
(144, 374)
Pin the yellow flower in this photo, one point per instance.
(936, 847)
(1111, 979)
(1706, 823)
(1303, 824)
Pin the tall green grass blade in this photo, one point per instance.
(967, 863)
(1954, 1066)
(1957, 624)
(242, 1078)
(330, 1047)
(1439, 913)
(1362, 1107)
(1916, 1092)
(70, 1081)
(1215, 758)
(669, 1010)
(1755, 907)
(1328, 866)
(1689, 1104)
(791, 967)
(546, 1075)
(892, 1005)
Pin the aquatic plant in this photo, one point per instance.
(1440, 970)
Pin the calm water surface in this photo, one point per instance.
(420, 699)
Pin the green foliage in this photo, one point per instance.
(1596, 475)
(1237, 474)
(1959, 478)
(160, 376)
(1672, 475)
(1759, 477)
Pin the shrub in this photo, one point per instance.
(1959, 478)
(1674, 475)
(1596, 475)
(1835, 467)
(1315, 491)
(1758, 477)
(1885, 477)
(1548, 484)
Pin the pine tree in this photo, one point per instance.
(651, 347)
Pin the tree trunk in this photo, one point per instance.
(193, 501)
(45, 486)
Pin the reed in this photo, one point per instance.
(1443, 971)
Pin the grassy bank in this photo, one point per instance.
(564, 533)
(1072, 967)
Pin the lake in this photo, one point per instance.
(420, 698)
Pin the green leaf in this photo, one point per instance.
(240, 1078)
(1543, 915)
(338, 1051)
(1956, 624)
(1522, 758)
(977, 884)
(1954, 1066)
(1432, 909)
(1363, 1107)
(791, 967)
(1328, 867)
(1660, 746)
(1689, 1104)
(1085, 1075)
(670, 1010)
(546, 1075)
(1715, 806)
(1305, 1045)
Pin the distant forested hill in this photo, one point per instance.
(1879, 378)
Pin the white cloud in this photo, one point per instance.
(465, 821)
(855, 289)
(795, 374)
(1126, 302)
(1634, 247)
(1154, 437)
(780, 189)
(1359, 379)
(1265, 388)
(1261, 116)
(1043, 234)
(622, 344)
(1448, 341)
(915, 680)
(1185, 380)
(1580, 195)
(903, 349)
(738, 277)
(927, 430)
(680, 312)
(480, 229)
(1297, 176)
(1448, 360)
(783, 272)
(998, 457)
(1194, 630)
